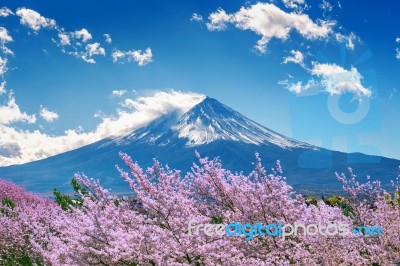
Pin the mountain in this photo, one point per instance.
(212, 129)
(207, 122)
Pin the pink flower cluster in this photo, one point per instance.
(151, 228)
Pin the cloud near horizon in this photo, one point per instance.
(22, 146)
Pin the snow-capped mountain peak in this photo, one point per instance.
(207, 122)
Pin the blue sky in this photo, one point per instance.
(325, 72)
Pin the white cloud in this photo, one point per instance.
(298, 87)
(83, 34)
(10, 112)
(71, 44)
(5, 38)
(64, 39)
(34, 20)
(34, 145)
(3, 88)
(326, 69)
(95, 49)
(293, 3)
(269, 21)
(218, 20)
(119, 93)
(107, 37)
(349, 39)
(5, 12)
(48, 115)
(196, 17)
(3, 66)
(117, 55)
(92, 49)
(296, 57)
(333, 79)
(88, 60)
(336, 80)
(398, 50)
(142, 58)
(326, 6)
(6, 50)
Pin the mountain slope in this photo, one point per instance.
(213, 129)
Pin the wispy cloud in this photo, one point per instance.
(300, 88)
(392, 93)
(5, 12)
(107, 38)
(5, 37)
(296, 57)
(196, 17)
(48, 115)
(350, 39)
(295, 4)
(142, 58)
(3, 66)
(3, 88)
(119, 93)
(326, 6)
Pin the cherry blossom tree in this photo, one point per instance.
(152, 227)
(19, 210)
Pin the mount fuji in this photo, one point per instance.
(212, 129)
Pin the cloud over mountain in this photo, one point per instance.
(35, 145)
